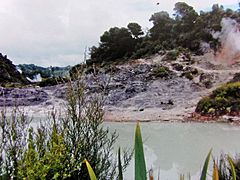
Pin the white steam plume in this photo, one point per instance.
(230, 41)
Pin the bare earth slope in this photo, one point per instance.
(135, 94)
(184, 94)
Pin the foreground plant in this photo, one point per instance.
(205, 166)
(140, 166)
(57, 147)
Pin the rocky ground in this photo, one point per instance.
(134, 91)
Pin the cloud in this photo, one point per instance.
(56, 32)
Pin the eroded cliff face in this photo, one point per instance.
(143, 89)
(9, 72)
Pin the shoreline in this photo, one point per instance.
(122, 115)
(188, 120)
(130, 115)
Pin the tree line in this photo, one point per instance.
(186, 28)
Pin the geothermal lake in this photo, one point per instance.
(176, 148)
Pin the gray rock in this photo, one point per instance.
(22, 97)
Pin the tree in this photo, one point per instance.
(185, 19)
(184, 12)
(162, 26)
(114, 44)
(135, 29)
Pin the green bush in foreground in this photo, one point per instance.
(57, 148)
(223, 100)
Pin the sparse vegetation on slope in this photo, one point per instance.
(223, 100)
(9, 74)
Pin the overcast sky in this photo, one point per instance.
(56, 32)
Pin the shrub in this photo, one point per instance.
(52, 81)
(57, 149)
(161, 71)
(188, 75)
(236, 78)
(171, 55)
(223, 100)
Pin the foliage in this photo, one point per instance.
(215, 171)
(233, 171)
(186, 29)
(90, 171)
(31, 70)
(188, 75)
(205, 166)
(9, 73)
(135, 29)
(57, 149)
(161, 71)
(162, 27)
(120, 170)
(171, 55)
(140, 166)
(75, 70)
(13, 131)
(115, 43)
(52, 81)
(223, 100)
(228, 168)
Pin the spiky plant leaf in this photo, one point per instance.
(205, 167)
(215, 172)
(120, 176)
(90, 171)
(234, 176)
(140, 166)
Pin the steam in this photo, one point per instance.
(229, 38)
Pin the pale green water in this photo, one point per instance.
(178, 147)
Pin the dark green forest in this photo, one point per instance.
(186, 28)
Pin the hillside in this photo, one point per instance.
(32, 71)
(157, 88)
(160, 74)
(9, 72)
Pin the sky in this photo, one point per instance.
(57, 32)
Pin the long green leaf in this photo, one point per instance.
(140, 166)
(205, 167)
(234, 176)
(215, 172)
(120, 176)
(90, 171)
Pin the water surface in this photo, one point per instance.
(176, 148)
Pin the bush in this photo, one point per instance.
(236, 78)
(230, 90)
(188, 75)
(52, 81)
(223, 100)
(161, 71)
(57, 149)
(171, 55)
